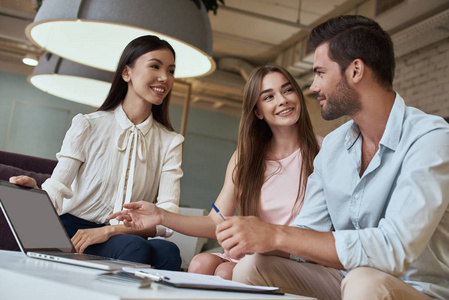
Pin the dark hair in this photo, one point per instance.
(119, 87)
(254, 138)
(354, 36)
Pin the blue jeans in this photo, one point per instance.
(159, 253)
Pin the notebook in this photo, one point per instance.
(40, 233)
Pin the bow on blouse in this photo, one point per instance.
(131, 141)
(130, 138)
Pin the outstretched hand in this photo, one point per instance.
(24, 180)
(139, 215)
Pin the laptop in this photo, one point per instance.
(40, 233)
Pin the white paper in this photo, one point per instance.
(199, 280)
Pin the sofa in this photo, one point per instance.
(13, 164)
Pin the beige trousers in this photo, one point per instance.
(313, 280)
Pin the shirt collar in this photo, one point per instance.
(393, 129)
(352, 135)
(125, 123)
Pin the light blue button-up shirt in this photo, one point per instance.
(395, 217)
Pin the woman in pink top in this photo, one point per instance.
(265, 177)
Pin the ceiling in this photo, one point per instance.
(247, 33)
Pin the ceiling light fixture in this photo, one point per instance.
(70, 80)
(30, 60)
(95, 32)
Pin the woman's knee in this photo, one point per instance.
(225, 269)
(165, 247)
(204, 263)
(165, 255)
(132, 248)
(125, 247)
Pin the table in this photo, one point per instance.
(22, 277)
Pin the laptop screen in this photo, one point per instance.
(33, 219)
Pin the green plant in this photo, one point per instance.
(209, 4)
(38, 4)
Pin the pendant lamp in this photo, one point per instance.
(70, 80)
(95, 32)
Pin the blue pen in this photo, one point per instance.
(217, 211)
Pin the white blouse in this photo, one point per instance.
(106, 161)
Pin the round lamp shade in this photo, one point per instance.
(71, 81)
(95, 32)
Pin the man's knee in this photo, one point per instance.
(364, 281)
(369, 283)
(250, 269)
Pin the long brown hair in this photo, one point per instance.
(254, 138)
(119, 87)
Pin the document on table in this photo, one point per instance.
(199, 281)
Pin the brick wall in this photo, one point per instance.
(422, 78)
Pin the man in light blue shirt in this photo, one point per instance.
(375, 220)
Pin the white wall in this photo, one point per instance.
(33, 122)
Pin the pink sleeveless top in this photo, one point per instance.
(278, 204)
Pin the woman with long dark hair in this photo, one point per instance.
(124, 152)
(266, 176)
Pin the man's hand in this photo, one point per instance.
(240, 236)
(139, 215)
(86, 237)
(24, 180)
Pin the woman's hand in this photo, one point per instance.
(83, 238)
(139, 215)
(24, 180)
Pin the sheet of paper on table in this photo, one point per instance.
(199, 281)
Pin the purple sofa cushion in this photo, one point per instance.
(27, 162)
(9, 171)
